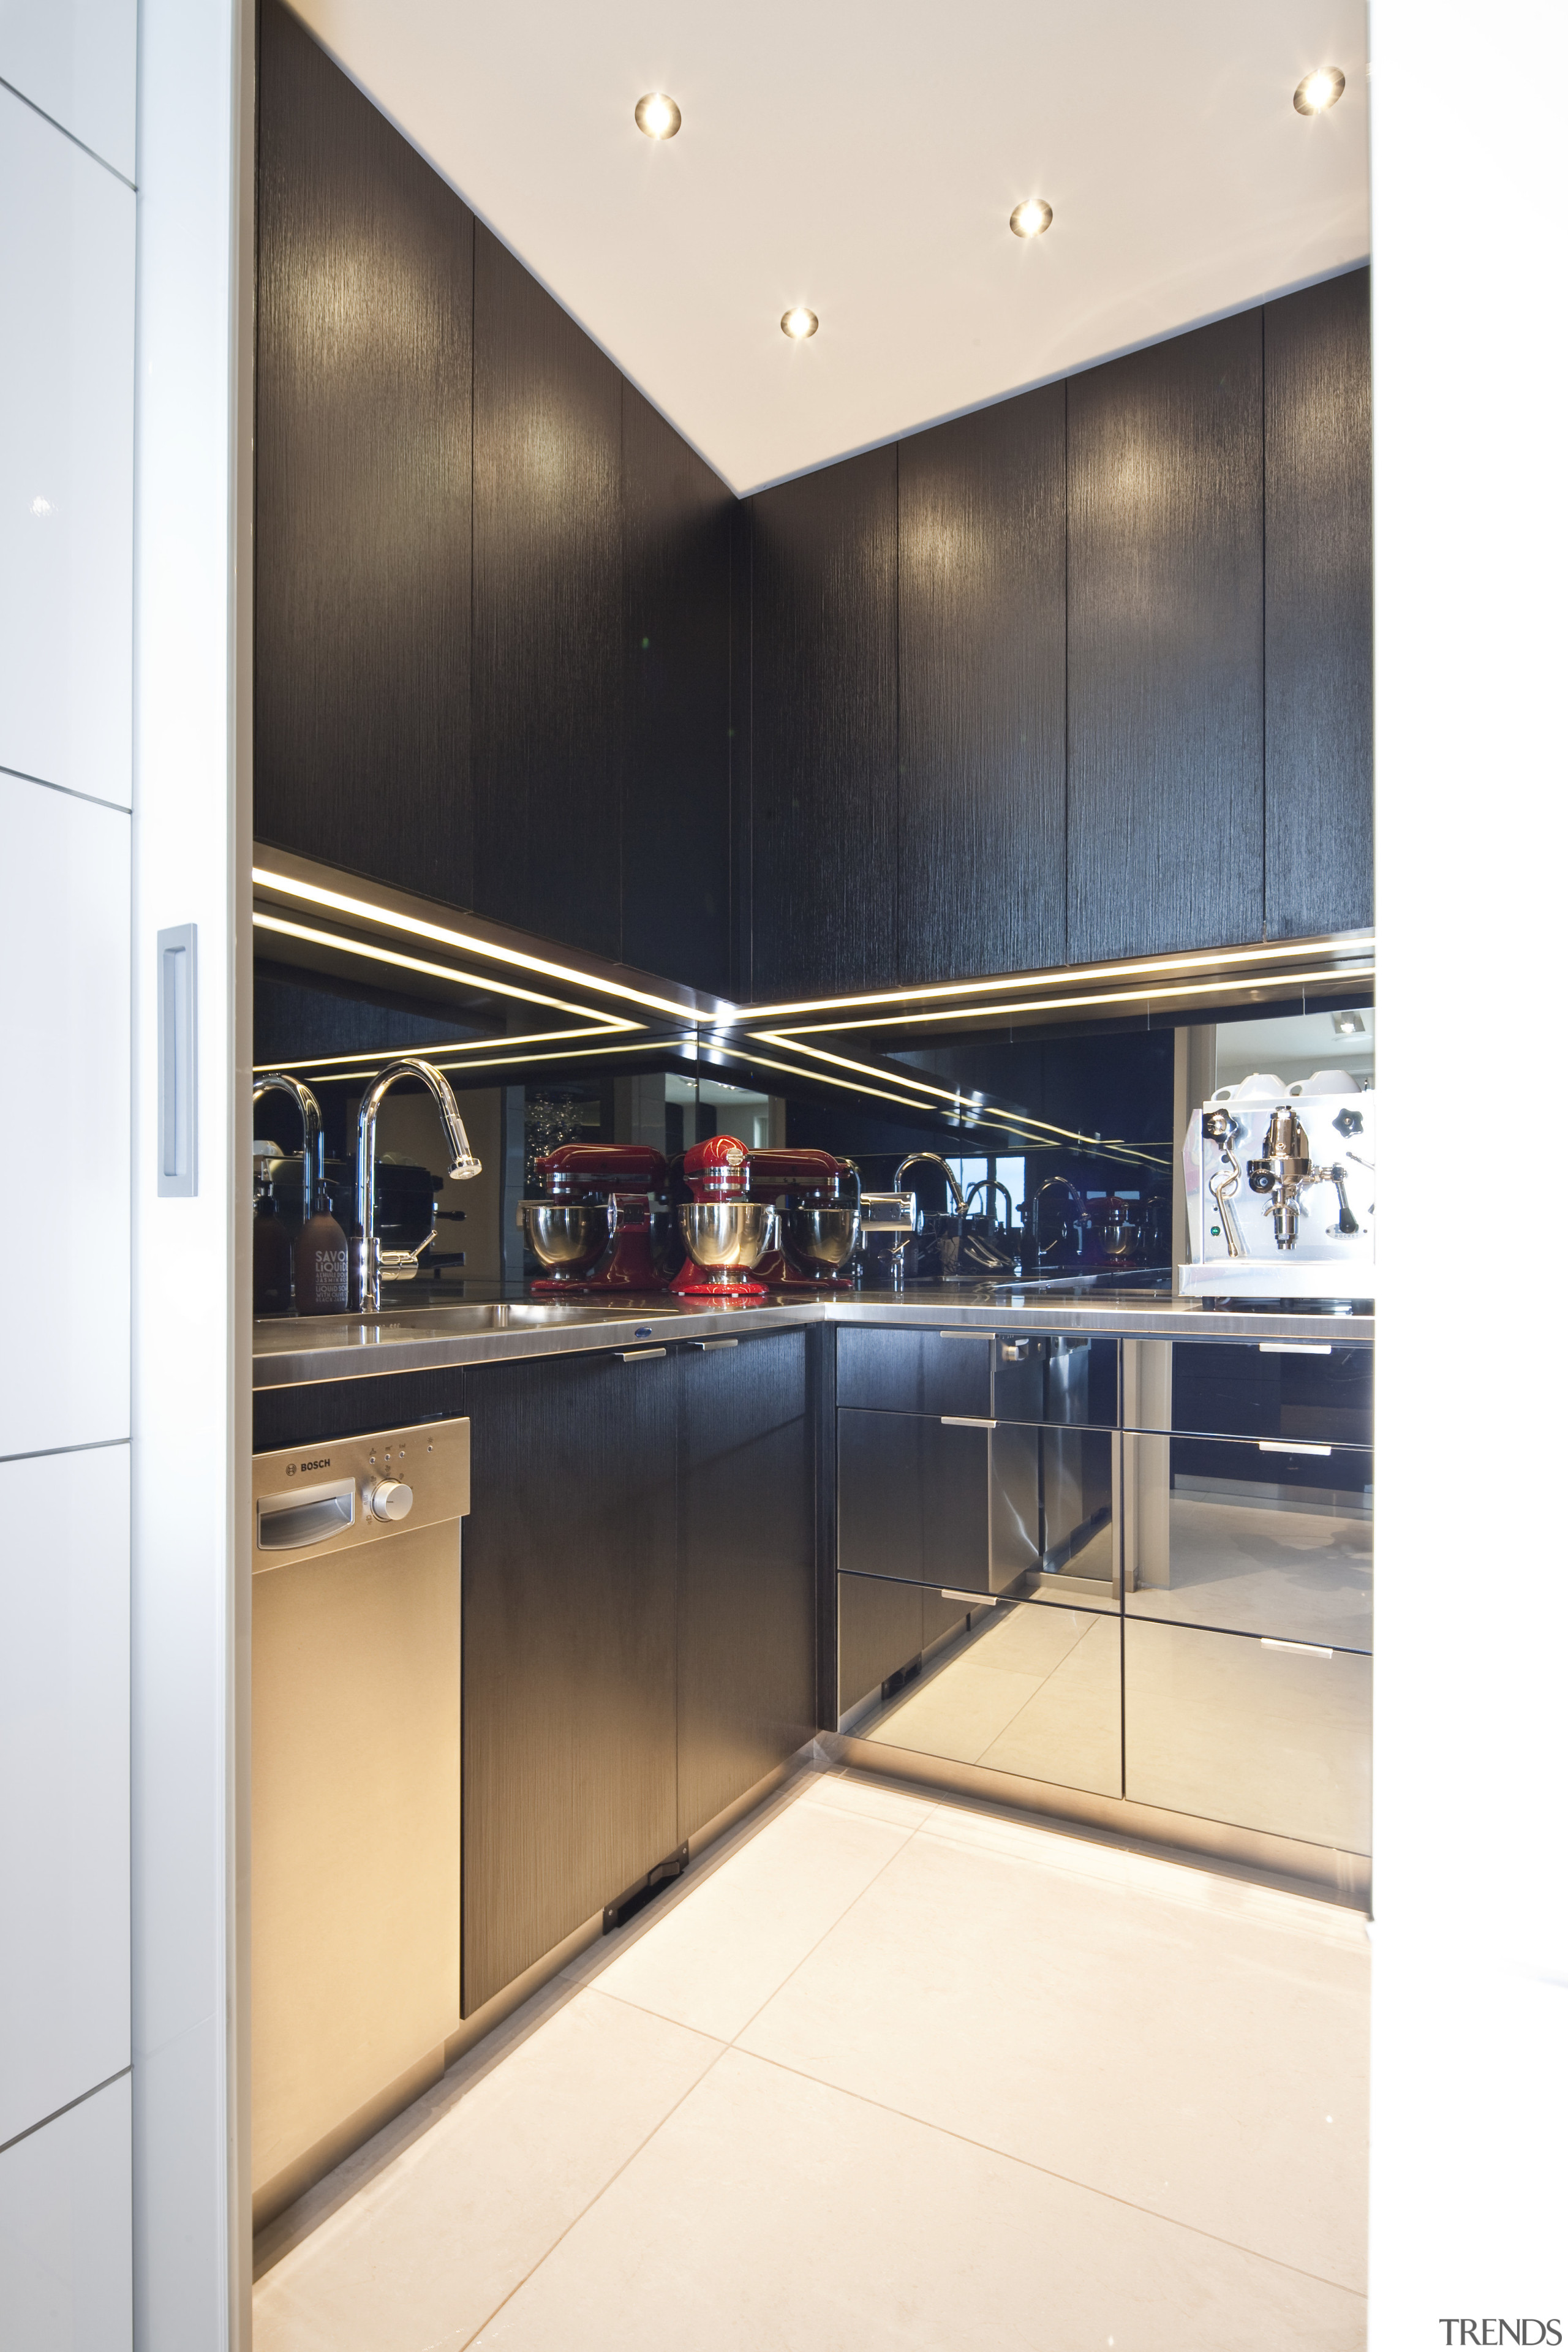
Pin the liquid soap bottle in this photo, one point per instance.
(270, 1255)
(322, 1264)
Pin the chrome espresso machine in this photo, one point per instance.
(1280, 1190)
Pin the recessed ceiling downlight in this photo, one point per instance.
(657, 117)
(1319, 89)
(798, 323)
(1033, 217)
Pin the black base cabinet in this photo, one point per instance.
(639, 1610)
(569, 1655)
(746, 1657)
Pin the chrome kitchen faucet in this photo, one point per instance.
(376, 1265)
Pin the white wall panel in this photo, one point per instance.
(68, 257)
(65, 2231)
(65, 954)
(65, 1780)
(77, 60)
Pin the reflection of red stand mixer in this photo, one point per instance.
(726, 1232)
(815, 1237)
(617, 1181)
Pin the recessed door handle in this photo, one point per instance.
(969, 1599)
(1280, 1446)
(639, 1355)
(966, 1421)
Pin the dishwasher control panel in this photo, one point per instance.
(354, 1490)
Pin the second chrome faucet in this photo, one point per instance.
(373, 1263)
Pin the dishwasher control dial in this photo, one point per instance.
(388, 1498)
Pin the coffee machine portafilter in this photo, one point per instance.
(1285, 1170)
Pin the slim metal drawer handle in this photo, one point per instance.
(1294, 1347)
(638, 1355)
(964, 1420)
(702, 1347)
(971, 1600)
(964, 1335)
(1297, 1649)
(1279, 1446)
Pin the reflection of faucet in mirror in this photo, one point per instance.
(936, 1160)
(1073, 1219)
(310, 1110)
(991, 1186)
(376, 1265)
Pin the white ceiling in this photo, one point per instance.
(862, 157)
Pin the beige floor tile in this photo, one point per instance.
(426, 2251)
(713, 1958)
(774, 2214)
(1184, 2059)
(843, 1793)
(1070, 1730)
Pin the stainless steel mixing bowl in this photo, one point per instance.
(819, 1241)
(567, 1237)
(726, 1236)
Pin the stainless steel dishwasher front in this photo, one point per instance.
(355, 1789)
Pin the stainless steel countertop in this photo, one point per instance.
(292, 1351)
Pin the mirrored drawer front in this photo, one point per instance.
(1237, 1728)
(1060, 1377)
(986, 1507)
(1268, 1387)
(1005, 1686)
(915, 1371)
(1252, 1535)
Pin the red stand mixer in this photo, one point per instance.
(593, 1195)
(726, 1232)
(815, 1237)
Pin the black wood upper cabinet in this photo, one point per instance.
(1316, 394)
(1165, 809)
(569, 1651)
(675, 840)
(365, 262)
(747, 1570)
(549, 613)
(825, 729)
(983, 691)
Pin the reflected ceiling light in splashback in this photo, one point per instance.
(657, 116)
(1348, 955)
(602, 1022)
(1317, 91)
(1008, 1007)
(1033, 217)
(385, 917)
(799, 323)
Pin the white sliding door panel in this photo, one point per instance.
(65, 2231)
(65, 1780)
(77, 60)
(65, 955)
(68, 298)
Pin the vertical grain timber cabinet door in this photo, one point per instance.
(825, 647)
(548, 613)
(747, 1641)
(1165, 813)
(569, 1574)
(363, 466)
(983, 691)
(1317, 377)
